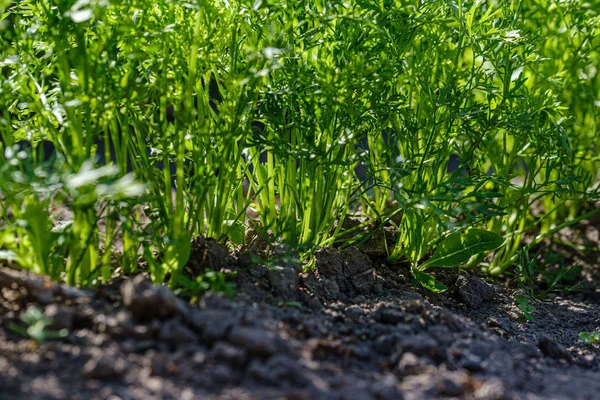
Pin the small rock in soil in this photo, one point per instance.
(550, 348)
(473, 291)
(103, 368)
(587, 361)
(146, 302)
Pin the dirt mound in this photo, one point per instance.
(353, 329)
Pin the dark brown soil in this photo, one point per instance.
(353, 329)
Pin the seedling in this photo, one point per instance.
(555, 276)
(213, 281)
(590, 338)
(454, 250)
(37, 326)
(525, 307)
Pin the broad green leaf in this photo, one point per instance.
(521, 300)
(429, 282)
(235, 230)
(458, 248)
(177, 255)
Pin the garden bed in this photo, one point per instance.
(355, 328)
(345, 200)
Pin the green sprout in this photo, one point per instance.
(37, 326)
(525, 307)
(213, 281)
(590, 338)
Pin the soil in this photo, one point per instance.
(354, 328)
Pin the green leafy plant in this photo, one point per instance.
(525, 307)
(542, 275)
(213, 281)
(475, 120)
(589, 338)
(457, 249)
(37, 326)
(33, 240)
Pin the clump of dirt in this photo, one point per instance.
(340, 275)
(354, 328)
(207, 253)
